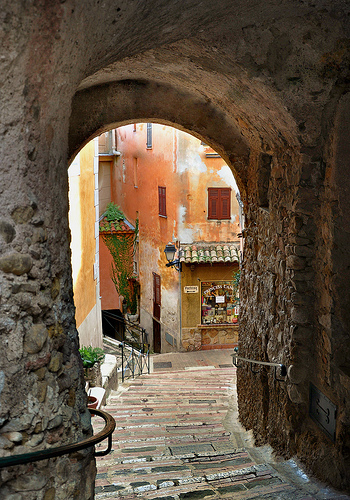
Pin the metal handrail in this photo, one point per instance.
(283, 369)
(36, 456)
(136, 359)
(124, 321)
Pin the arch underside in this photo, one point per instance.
(237, 115)
(249, 125)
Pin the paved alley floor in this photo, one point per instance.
(178, 437)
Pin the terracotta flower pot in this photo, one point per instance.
(92, 402)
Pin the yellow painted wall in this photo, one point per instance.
(82, 224)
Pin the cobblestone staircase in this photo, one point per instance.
(178, 437)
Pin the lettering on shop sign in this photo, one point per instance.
(218, 287)
(191, 289)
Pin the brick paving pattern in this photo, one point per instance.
(174, 441)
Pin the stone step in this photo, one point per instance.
(177, 438)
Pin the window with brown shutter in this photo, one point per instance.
(162, 201)
(219, 203)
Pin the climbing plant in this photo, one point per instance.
(112, 219)
(121, 244)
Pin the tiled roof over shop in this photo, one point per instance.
(209, 253)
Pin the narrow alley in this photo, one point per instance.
(178, 437)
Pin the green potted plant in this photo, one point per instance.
(92, 357)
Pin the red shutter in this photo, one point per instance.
(162, 200)
(213, 203)
(225, 195)
(156, 296)
(219, 203)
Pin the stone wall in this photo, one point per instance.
(43, 403)
(209, 337)
(294, 306)
(42, 396)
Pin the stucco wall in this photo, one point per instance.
(82, 226)
(90, 330)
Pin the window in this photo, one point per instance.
(219, 304)
(149, 135)
(162, 201)
(219, 203)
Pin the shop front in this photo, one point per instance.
(210, 303)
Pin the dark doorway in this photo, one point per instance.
(113, 324)
(156, 313)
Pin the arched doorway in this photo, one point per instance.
(261, 85)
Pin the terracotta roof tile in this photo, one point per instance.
(201, 253)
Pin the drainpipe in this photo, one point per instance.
(180, 300)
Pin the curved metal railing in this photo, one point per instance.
(36, 456)
(282, 368)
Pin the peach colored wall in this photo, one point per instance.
(178, 162)
(199, 172)
(137, 194)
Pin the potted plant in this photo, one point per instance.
(92, 357)
(92, 402)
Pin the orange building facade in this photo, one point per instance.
(158, 174)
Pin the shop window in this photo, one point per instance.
(162, 200)
(219, 203)
(219, 303)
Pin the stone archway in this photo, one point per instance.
(265, 82)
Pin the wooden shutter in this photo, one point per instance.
(156, 296)
(213, 203)
(225, 203)
(162, 200)
(219, 203)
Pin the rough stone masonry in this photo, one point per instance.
(266, 84)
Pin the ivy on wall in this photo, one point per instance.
(121, 243)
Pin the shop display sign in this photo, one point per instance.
(219, 304)
(191, 289)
